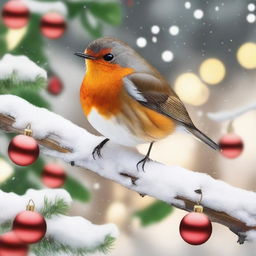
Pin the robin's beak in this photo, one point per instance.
(85, 56)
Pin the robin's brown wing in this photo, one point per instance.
(155, 93)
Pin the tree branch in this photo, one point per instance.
(231, 114)
(230, 206)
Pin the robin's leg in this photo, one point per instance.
(146, 158)
(98, 148)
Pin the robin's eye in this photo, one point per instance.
(108, 57)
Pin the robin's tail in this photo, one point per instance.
(201, 136)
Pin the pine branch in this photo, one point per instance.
(63, 232)
(49, 247)
(13, 84)
(56, 207)
(230, 206)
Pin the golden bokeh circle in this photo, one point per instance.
(246, 55)
(212, 71)
(191, 90)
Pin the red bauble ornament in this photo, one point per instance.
(53, 176)
(195, 228)
(29, 226)
(231, 145)
(55, 85)
(10, 245)
(23, 150)
(15, 14)
(53, 25)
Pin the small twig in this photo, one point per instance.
(133, 178)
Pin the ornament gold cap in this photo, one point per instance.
(30, 206)
(198, 208)
(28, 131)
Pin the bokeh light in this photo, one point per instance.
(251, 7)
(14, 36)
(251, 18)
(167, 56)
(198, 14)
(191, 90)
(246, 55)
(155, 29)
(141, 42)
(6, 170)
(187, 5)
(212, 71)
(174, 30)
(117, 213)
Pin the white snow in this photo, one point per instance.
(12, 204)
(22, 67)
(162, 182)
(231, 114)
(40, 7)
(78, 232)
(141, 42)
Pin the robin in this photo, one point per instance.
(128, 101)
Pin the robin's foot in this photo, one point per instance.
(97, 149)
(145, 159)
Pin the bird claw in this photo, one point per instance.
(97, 149)
(142, 162)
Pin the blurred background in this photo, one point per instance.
(207, 51)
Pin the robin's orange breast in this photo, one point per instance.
(101, 88)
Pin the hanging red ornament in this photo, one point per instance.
(195, 227)
(23, 150)
(130, 3)
(53, 25)
(29, 226)
(53, 175)
(15, 14)
(10, 245)
(55, 85)
(231, 145)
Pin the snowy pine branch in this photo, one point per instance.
(65, 234)
(230, 206)
(231, 114)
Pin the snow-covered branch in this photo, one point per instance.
(82, 235)
(231, 114)
(230, 206)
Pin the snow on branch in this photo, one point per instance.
(231, 114)
(64, 233)
(44, 7)
(230, 206)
